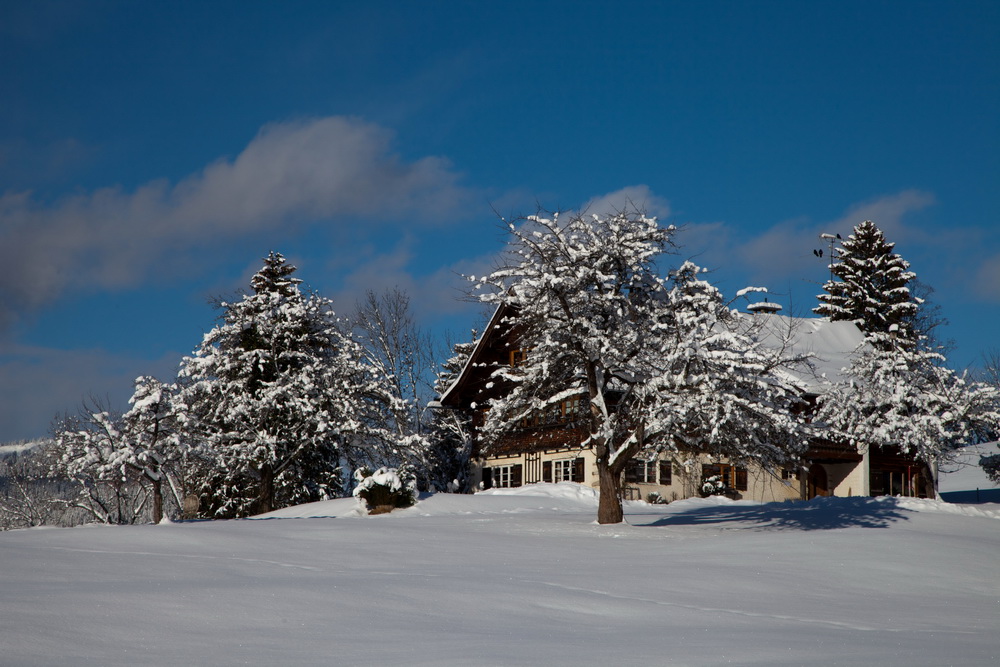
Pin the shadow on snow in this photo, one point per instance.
(817, 514)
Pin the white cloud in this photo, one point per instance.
(441, 293)
(987, 281)
(634, 196)
(888, 212)
(786, 249)
(319, 169)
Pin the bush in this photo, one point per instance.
(386, 488)
(655, 498)
(714, 486)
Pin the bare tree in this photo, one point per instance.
(403, 355)
(27, 493)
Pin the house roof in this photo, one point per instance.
(449, 398)
(826, 348)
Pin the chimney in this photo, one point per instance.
(764, 306)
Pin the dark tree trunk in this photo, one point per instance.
(609, 507)
(265, 499)
(157, 501)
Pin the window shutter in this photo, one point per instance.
(516, 475)
(666, 473)
(578, 470)
(487, 478)
(547, 471)
(741, 479)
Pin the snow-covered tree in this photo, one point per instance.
(123, 462)
(450, 433)
(905, 398)
(401, 355)
(91, 451)
(282, 398)
(154, 441)
(28, 495)
(871, 287)
(656, 365)
(991, 463)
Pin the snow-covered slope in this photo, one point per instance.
(962, 480)
(516, 578)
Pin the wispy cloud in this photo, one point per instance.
(785, 249)
(634, 196)
(324, 169)
(987, 282)
(38, 383)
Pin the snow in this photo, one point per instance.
(962, 480)
(20, 447)
(518, 577)
(830, 347)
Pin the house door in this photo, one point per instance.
(817, 481)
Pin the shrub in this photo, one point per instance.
(713, 486)
(655, 498)
(386, 489)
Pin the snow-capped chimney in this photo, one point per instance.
(764, 306)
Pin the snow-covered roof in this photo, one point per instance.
(828, 346)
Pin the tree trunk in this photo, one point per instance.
(265, 500)
(157, 501)
(609, 507)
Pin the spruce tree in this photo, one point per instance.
(281, 396)
(450, 430)
(871, 287)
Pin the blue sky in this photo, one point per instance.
(152, 153)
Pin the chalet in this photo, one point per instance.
(546, 448)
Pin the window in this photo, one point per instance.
(518, 357)
(641, 472)
(564, 411)
(734, 477)
(666, 473)
(503, 477)
(740, 478)
(571, 408)
(787, 473)
(563, 470)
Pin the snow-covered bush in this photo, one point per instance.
(713, 486)
(386, 488)
(655, 498)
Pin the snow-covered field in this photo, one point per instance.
(516, 578)
(962, 480)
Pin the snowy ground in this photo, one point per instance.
(521, 578)
(962, 480)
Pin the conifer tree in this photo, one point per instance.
(450, 430)
(871, 287)
(280, 396)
